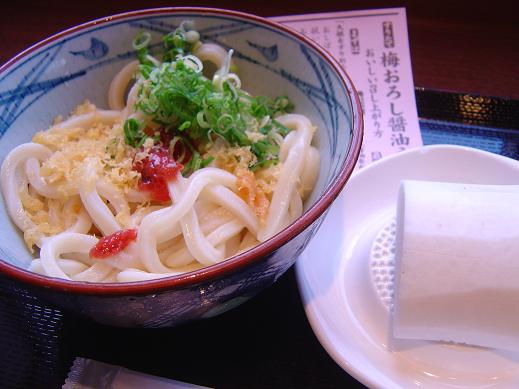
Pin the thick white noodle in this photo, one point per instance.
(125, 259)
(225, 232)
(119, 84)
(138, 215)
(54, 212)
(159, 225)
(100, 213)
(214, 219)
(80, 257)
(54, 247)
(287, 144)
(32, 169)
(95, 273)
(295, 208)
(134, 275)
(82, 222)
(181, 254)
(211, 52)
(132, 98)
(226, 198)
(89, 119)
(290, 174)
(69, 266)
(310, 171)
(177, 254)
(10, 188)
(114, 196)
(174, 252)
(199, 246)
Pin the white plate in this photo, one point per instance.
(338, 280)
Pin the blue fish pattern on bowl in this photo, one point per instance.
(270, 53)
(98, 49)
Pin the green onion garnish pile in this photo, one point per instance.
(175, 95)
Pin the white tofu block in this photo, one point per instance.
(457, 264)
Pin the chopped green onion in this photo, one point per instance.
(263, 164)
(176, 95)
(133, 134)
(283, 130)
(184, 125)
(142, 40)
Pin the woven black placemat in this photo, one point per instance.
(31, 340)
(483, 122)
(464, 108)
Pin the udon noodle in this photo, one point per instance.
(142, 191)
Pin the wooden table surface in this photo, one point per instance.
(461, 46)
(458, 46)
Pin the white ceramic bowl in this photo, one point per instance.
(57, 74)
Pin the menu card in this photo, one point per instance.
(373, 47)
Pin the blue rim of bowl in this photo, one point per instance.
(239, 261)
